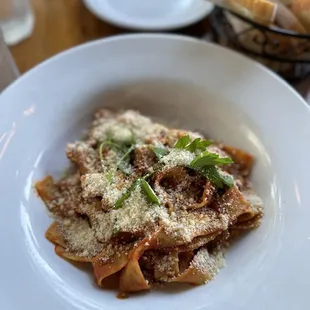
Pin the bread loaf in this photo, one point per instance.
(261, 11)
(301, 8)
(286, 19)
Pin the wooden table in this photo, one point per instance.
(61, 24)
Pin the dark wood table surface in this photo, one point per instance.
(61, 24)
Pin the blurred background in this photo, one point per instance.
(61, 24)
(35, 30)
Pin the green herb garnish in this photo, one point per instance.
(107, 143)
(197, 144)
(227, 179)
(182, 142)
(205, 163)
(149, 193)
(215, 177)
(127, 194)
(123, 162)
(209, 159)
(146, 188)
(160, 152)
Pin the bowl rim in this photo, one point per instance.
(114, 19)
(146, 35)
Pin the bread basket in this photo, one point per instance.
(283, 51)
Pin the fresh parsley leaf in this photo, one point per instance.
(212, 174)
(198, 144)
(160, 152)
(215, 177)
(182, 142)
(209, 159)
(205, 163)
(149, 193)
(228, 180)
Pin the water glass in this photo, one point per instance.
(8, 69)
(16, 20)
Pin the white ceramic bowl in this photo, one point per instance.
(151, 14)
(181, 81)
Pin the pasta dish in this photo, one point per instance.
(146, 204)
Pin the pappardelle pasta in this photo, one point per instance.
(146, 204)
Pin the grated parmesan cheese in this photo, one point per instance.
(91, 193)
(120, 133)
(135, 216)
(84, 156)
(216, 150)
(80, 237)
(183, 226)
(178, 157)
(97, 184)
(167, 263)
(208, 263)
(255, 201)
(124, 127)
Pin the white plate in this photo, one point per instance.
(150, 14)
(180, 80)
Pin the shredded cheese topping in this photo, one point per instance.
(124, 201)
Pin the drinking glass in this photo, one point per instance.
(8, 69)
(16, 20)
